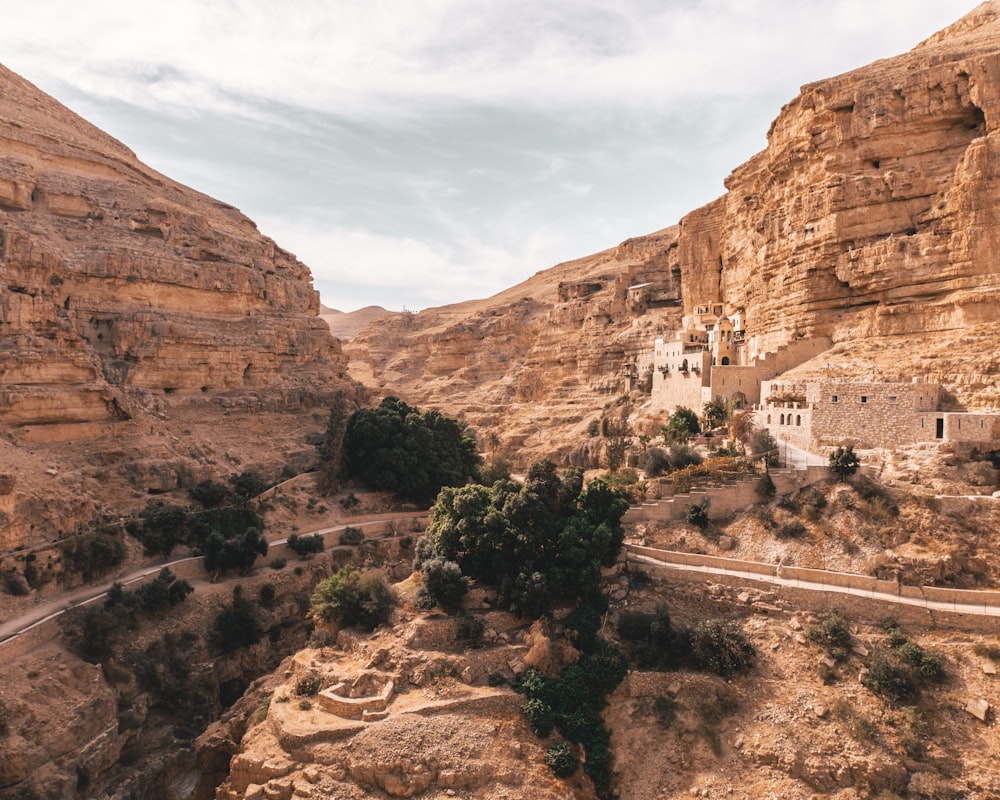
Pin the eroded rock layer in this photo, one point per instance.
(127, 300)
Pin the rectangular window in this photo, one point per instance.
(893, 399)
(833, 398)
(864, 398)
(921, 422)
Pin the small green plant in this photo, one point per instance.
(305, 704)
(352, 536)
(832, 631)
(697, 514)
(305, 545)
(278, 563)
(309, 684)
(561, 759)
(987, 650)
(353, 598)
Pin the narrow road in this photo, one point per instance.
(43, 612)
(980, 609)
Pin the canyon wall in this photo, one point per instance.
(871, 219)
(141, 321)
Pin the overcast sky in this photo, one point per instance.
(420, 152)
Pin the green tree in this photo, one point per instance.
(547, 538)
(397, 448)
(222, 554)
(682, 426)
(618, 436)
(715, 413)
(236, 625)
(351, 598)
(844, 462)
(763, 445)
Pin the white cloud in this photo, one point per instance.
(365, 57)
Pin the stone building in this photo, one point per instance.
(824, 414)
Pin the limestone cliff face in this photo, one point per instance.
(128, 302)
(871, 218)
(872, 212)
(538, 361)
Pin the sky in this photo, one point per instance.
(415, 153)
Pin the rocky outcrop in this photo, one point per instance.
(128, 301)
(869, 219)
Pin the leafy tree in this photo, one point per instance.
(682, 426)
(236, 625)
(397, 448)
(331, 449)
(618, 435)
(304, 545)
(444, 582)
(212, 494)
(222, 554)
(762, 443)
(248, 484)
(351, 598)
(715, 414)
(844, 462)
(741, 428)
(544, 539)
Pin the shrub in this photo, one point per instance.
(248, 484)
(305, 545)
(697, 514)
(267, 595)
(764, 488)
(791, 530)
(351, 598)
(445, 582)
(654, 462)
(721, 647)
(278, 563)
(497, 468)
(539, 716)
(833, 632)
(309, 684)
(352, 536)
(844, 462)
(561, 759)
(236, 625)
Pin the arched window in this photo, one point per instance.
(768, 419)
(798, 419)
(725, 361)
(782, 419)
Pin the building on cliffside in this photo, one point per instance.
(823, 414)
(708, 360)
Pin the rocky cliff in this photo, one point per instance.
(870, 219)
(135, 311)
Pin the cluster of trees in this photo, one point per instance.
(397, 448)
(572, 702)
(227, 530)
(94, 630)
(537, 542)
